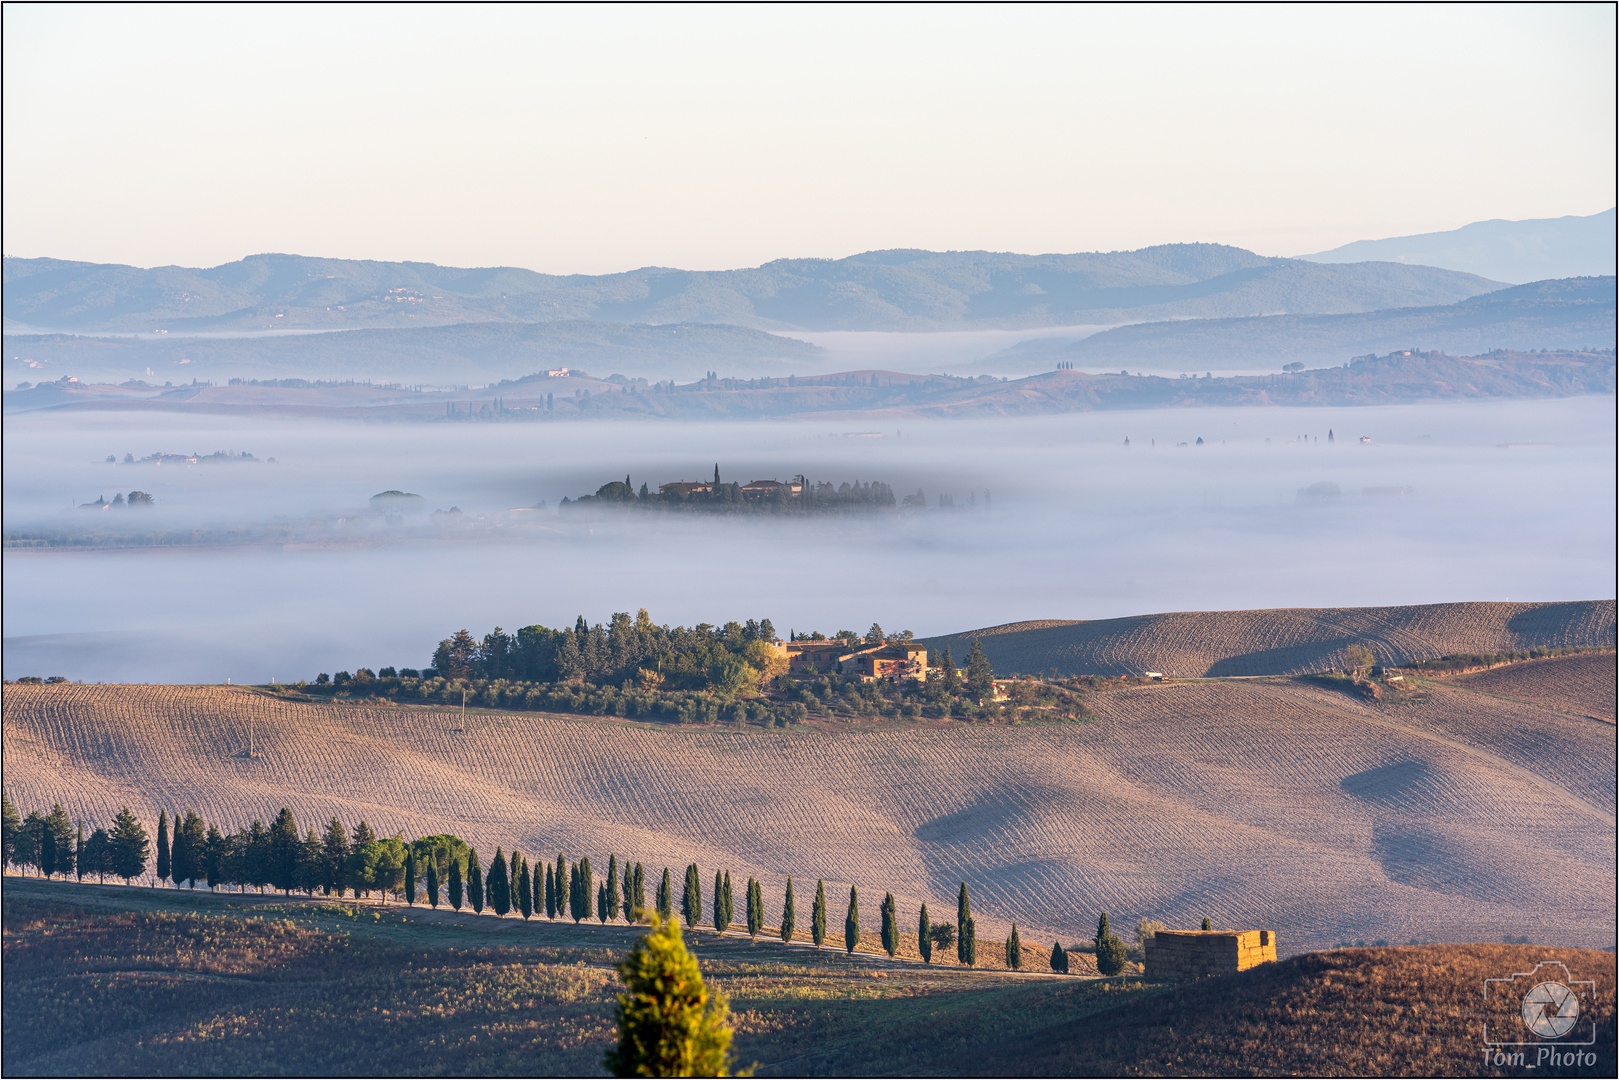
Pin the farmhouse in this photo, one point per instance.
(905, 660)
(1193, 954)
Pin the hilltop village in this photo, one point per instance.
(798, 495)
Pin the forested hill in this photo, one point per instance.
(878, 290)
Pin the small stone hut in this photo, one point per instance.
(1192, 954)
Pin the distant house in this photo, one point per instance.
(766, 488)
(557, 373)
(683, 488)
(905, 660)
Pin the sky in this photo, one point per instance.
(596, 139)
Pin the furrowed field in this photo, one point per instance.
(1436, 814)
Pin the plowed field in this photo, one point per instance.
(1274, 804)
(1284, 641)
(1581, 684)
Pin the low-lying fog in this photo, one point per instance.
(1475, 502)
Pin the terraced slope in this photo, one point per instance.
(1284, 641)
(1274, 804)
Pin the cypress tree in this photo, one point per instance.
(455, 883)
(58, 824)
(638, 908)
(666, 898)
(196, 841)
(335, 850)
(788, 915)
(564, 897)
(730, 907)
(818, 915)
(10, 825)
(756, 908)
(1014, 951)
(1059, 959)
(586, 880)
(722, 917)
(47, 851)
(283, 851)
(669, 1023)
(1103, 929)
(924, 936)
(525, 891)
(214, 859)
(550, 892)
(130, 848)
(851, 921)
(601, 903)
(474, 881)
(78, 853)
(691, 901)
(410, 876)
(612, 887)
(432, 881)
(966, 944)
(180, 854)
(499, 885)
(163, 865)
(890, 925)
(1207, 924)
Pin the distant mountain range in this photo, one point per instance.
(1572, 313)
(878, 290)
(1515, 251)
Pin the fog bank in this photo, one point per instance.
(1477, 501)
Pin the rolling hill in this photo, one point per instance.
(1278, 804)
(1572, 313)
(1286, 641)
(1514, 251)
(877, 290)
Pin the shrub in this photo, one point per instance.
(669, 1023)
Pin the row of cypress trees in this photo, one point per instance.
(277, 857)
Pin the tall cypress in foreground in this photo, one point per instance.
(756, 908)
(612, 888)
(818, 915)
(851, 921)
(163, 865)
(788, 915)
(1014, 951)
(525, 891)
(924, 936)
(890, 925)
(499, 885)
(666, 898)
(474, 881)
(410, 877)
(432, 881)
(691, 901)
(455, 883)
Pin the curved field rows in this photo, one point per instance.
(1274, 805)
(1283, 641)
(1580, 684)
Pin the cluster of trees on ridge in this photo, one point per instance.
(701, 674)
(445, 869)
(813, 497)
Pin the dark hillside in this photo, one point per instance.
(1414, 1011)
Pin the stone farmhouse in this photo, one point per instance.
(905, 660)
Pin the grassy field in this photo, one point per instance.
(131, 981)
(1434, 815)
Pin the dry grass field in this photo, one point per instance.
(1273, 804)
(107, 980)
(1283, 641)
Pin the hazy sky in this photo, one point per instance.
(598, 139)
